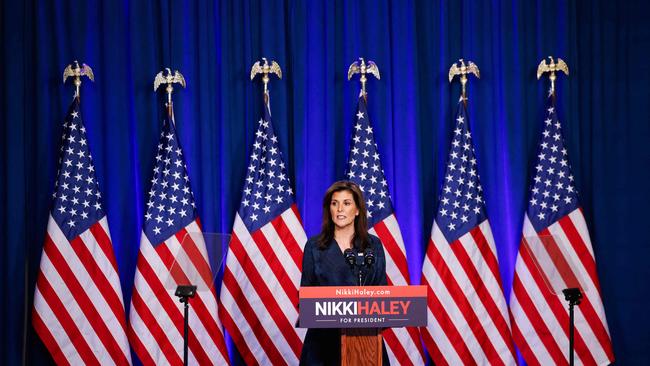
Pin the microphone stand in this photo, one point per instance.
(360, 275)
(359, 260)
(368, 258)
(352, 259)
(185, 292)
(573, 296)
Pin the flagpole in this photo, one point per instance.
(76, 72)
(463, 70)
(360, 67)
(184, 292)
(572, 295)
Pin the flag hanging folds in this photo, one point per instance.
(365, 169)
(467, 313)
(78, 308)
(259, 294)
(556, 247)
(156, 317)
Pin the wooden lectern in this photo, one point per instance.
(361, 346)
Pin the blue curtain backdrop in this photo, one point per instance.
(603, 105)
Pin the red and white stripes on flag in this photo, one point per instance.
(540, 318)
(259, 292)
(365, 169)
(402, 344)
(556, 253)
(156, 317)
(467, 313)
(468, 316)
(173, 251)
(78, 307)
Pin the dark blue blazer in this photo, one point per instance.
(327, 267)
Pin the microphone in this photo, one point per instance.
(349, 257)
(369, 257)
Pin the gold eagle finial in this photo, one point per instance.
(360, 67)
(265, 69)
(167, 77)
(463, 70)
(551, 68)
(76, 71)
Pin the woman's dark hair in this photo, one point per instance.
(360, 221)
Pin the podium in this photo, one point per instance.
(361, 346)
(362, 312)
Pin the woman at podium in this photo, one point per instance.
(344, 232)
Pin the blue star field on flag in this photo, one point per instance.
(267, 192)
(364, 168)
(77, 200)
(170, 201)
(461, 206)
(553, 194)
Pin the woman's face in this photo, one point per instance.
(343, 209)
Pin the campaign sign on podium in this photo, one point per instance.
(363, 306)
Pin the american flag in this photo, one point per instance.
(172, 235)
(259, 294)
(467, 313)
(78, 307)
(539, 315)
(364, 168)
